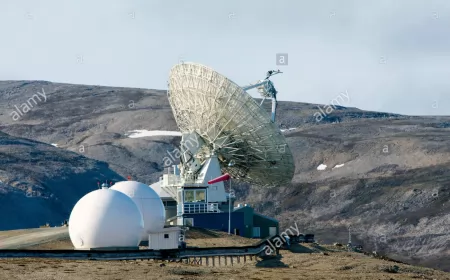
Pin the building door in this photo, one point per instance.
(272, 231)
(257, 232)
(189, 222)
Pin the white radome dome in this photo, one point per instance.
(105, 218)
(149, 203)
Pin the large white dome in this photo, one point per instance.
(105, 218)
(149, 203)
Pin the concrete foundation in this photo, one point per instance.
(111, 249)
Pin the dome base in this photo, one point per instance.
(109, 249)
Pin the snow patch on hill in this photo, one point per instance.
(338, 166)
(149, 133)
(321, 167)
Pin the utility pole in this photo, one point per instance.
(349, 244)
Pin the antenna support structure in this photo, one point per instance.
(224, 130)
(267, 90)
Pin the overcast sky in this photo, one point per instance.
(391, 56)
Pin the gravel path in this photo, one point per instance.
(33, 237)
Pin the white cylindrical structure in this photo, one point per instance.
(148, 202)
(105, 218)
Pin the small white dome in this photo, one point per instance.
(149, 203)
(105, 218)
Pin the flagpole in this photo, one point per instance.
(229, 210)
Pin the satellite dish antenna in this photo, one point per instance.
(224, 130)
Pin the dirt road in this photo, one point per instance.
(26, 238)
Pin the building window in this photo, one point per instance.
(200, 196)
(194, 196)
(166, 235)
(189, 196)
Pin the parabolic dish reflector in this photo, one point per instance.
(235, 128)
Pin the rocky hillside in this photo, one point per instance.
(93, 121)
(385, 175)
(389, 180)
(40, 183)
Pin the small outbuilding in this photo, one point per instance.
(165, 239)
(257, 225)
